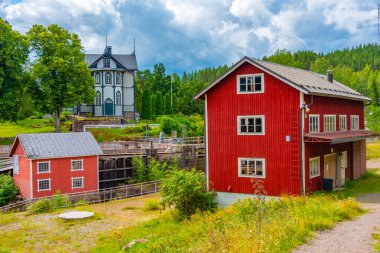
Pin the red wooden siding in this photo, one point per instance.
(61, 174)
(22, 180)
(280, 105)
(336, 106)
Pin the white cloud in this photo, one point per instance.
(189, 34)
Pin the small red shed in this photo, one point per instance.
(50, 162)
(285, 126)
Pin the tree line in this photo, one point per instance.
(357, 68)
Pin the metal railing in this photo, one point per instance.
(90, 197)
(121, 126)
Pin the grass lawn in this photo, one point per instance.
(48, 233)
(28, 126)
(373, 150)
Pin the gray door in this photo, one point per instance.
(108, 107)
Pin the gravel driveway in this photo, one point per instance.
(347, 237)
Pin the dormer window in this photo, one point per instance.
(118, 81)
(250, 83)
(106, 62)
(108, 78)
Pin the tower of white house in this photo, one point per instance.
(114, 84)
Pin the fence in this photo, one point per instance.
(85, 127)
(90, 197)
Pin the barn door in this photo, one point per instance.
(330, 167)
(108, 107)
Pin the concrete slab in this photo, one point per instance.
(76, 215)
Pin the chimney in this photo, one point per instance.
(330, 76)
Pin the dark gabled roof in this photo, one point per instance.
(57, 145)
(128, 61)
(340, 137)
(308, 82)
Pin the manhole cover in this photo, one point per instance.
(75, 215)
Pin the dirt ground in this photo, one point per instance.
(48, 233)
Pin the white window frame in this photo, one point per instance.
(106, 62)
(98, 98)
(251, 116)
(318, 122)
(75, 178)
(97, 78)
(324, 122)
(251, 159)
(313, 175)
(118, 98)
(118, 78)
(38, 184)
(246, 76)
(108, 74)
(351, 121)
(42, 172)
(79, 160)
(340, 122)
(16, 165)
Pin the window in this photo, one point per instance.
(43, 184)
(354, 122)
(108, 78)
(97, 78)
(250, 125)
(118, 81)
(313, 123)
(43, 167)
(251, 83)
(342, 122)
(251, 167)
(314, 166)
(106, 62)
(98, 98)
(118, 98)
(329, 124)
(76, 165)
(77, 182)
(16, 169)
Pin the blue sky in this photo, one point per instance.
(187, 35)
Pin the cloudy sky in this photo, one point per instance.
(191, 34)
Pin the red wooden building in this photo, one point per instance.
(286, 126)
(51, 162)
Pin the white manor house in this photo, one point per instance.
(114, 84)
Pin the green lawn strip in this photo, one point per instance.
(376, 237)
(368, 183)
(273, 226)
(373, 150)
(30, 126)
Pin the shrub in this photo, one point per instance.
(186, 190)
(140, 174)
(41, 206)
(156, 170)
(8, 190)
(168, 124)
(151, 205)
(60, 201)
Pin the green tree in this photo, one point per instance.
(167, 104)
(153, 106)
(159, 105)
(146, 107)
(14, 51)
(140, 173)
(156, 170)
(186, 190)
(63, 79)
(8, 190)
(321, 65)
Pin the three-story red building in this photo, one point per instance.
(286, 126)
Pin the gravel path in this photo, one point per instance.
(347, 237)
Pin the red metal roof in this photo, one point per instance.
(340, 137)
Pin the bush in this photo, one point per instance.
(60, 201)
(140, 174)
(151, 205)
(169, 124)
(156, 170)
(41, 206)
(186, 190)
(8, 190)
